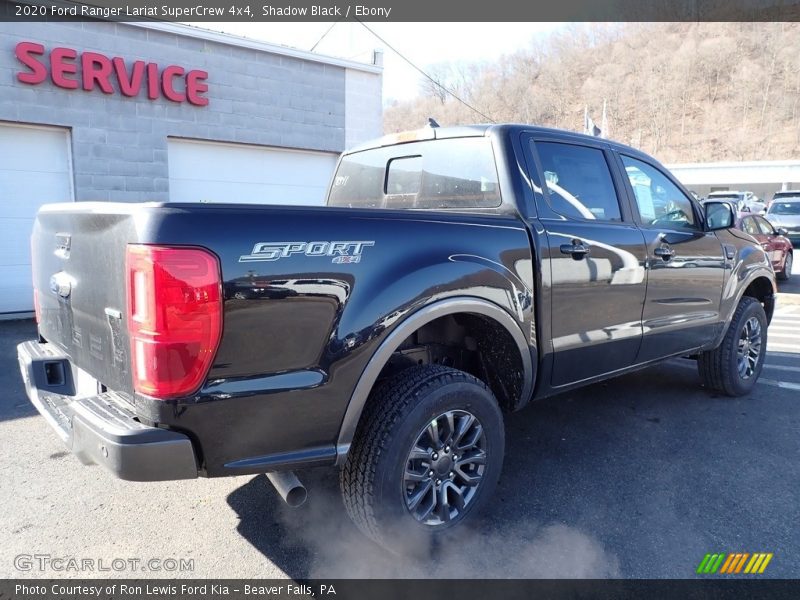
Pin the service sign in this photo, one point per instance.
(71, 70)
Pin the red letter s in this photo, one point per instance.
(23, 52)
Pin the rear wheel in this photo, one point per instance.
(786, 273)
(734, 367)
(427, 454)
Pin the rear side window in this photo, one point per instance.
(765, 226)
(579, 182)
(750, 226)
(440, 174)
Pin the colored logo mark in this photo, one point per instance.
(734, 562)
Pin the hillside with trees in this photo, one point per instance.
(684, 92)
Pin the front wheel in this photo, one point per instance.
(734, 367)
(427, 454)
(786, 273)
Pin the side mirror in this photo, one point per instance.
(719, 215)
(781, 231)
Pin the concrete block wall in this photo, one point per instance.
(362, 112)
(119, 144)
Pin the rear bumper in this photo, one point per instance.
(101, 429)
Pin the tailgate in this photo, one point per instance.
(79, 280)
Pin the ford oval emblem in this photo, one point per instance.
(61, 285)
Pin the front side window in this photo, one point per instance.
(661, 203)
(579, 182)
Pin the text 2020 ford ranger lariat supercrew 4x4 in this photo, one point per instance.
(455, 275)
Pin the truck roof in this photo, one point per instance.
(477, 130)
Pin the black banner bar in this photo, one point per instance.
(401, 10)
(415, 589)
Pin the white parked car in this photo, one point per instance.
(745, 201)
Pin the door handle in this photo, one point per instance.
(665, 252)
(577, 249)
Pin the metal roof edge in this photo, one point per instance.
(243, 42)
(734, 164)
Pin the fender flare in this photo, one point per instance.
(755, 274)
(431, 312)
(767, 274)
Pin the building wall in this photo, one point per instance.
(763, 178)
(362, 112)
(119, 144)
(764, 191)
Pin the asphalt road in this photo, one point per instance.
(635, 477)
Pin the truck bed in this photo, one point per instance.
(308, 294)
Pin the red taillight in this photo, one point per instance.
(174, 317)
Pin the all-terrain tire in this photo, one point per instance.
(720, 368)
(373, 479)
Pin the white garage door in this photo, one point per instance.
(215, 172)
(35, 169)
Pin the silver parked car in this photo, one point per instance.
(785, 213)
(745, 201)
(785, 194)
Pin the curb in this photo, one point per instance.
(786, 299)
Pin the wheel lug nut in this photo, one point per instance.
(447, 450)
(435, 456)
(431, 473)
(452, 474)
(438, 482)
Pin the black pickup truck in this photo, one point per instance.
(455, 275)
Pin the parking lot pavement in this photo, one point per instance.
(640, 476)
(789, 291)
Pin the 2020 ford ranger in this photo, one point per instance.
(455, 274)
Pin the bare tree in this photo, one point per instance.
(685, 91)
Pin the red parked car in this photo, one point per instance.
(774, 242)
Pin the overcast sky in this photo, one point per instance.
(424, 44)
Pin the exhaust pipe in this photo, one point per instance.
(289, 487)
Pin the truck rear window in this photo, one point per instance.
(437, 174)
